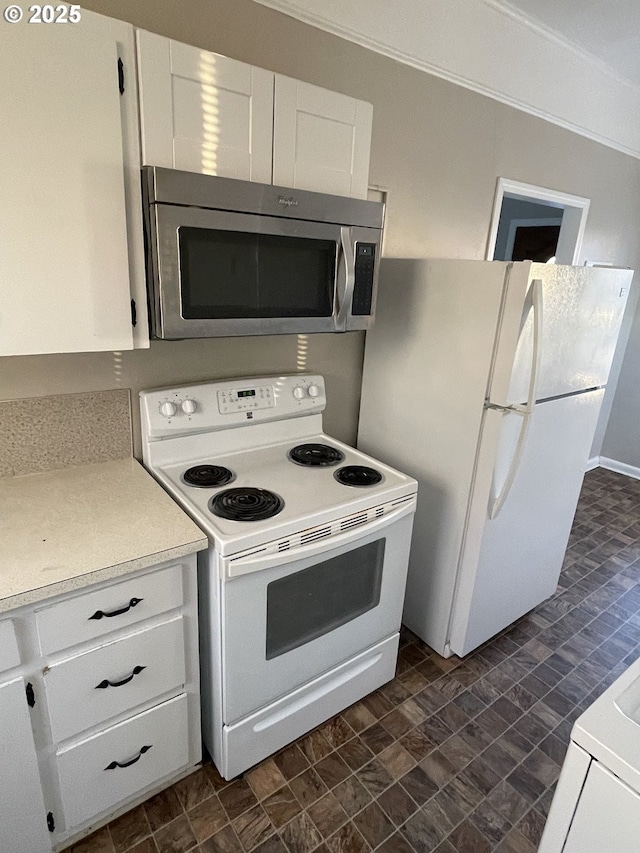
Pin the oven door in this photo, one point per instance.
(303, 612)
(218, 273)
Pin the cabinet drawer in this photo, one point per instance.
(98, 773)
(92, 687)
(9, 654)
(93, 614)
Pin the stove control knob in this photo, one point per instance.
(298, 392)
(167, 409)
(313, 390)
(189, 406)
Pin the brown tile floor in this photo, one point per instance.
(452, 755)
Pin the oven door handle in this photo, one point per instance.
(254, 563)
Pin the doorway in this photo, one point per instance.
(536, 223)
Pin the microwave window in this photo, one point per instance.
(232, 274)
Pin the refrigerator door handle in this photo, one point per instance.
(526, 410)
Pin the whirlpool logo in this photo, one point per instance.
(287, 202)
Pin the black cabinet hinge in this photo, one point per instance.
(134, 313)
(121, 76)
(31, 696)
(51, 824)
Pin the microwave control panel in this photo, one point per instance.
(363, 284)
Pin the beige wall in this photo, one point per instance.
(438, 150)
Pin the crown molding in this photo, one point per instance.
(503, 7)
(604, 106)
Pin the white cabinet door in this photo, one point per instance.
(202, 112)
(23, 822)
(607, 817)
(63, 229)
(321, 139)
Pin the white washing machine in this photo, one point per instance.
(596, 807)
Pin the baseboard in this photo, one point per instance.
(594, 462)
(619, 467)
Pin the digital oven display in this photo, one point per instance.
(250, 393)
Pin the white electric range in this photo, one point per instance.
(301, 589)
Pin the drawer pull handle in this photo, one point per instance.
(115, 764)
(106, 683)
(100, 613)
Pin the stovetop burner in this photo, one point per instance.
(315, 455)
(208, 476)
(358, 475)
(246, 504)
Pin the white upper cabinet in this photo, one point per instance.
(202, 112)
(321, 139)
(72, 259)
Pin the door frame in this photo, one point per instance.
(574, 218)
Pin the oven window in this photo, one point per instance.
(314, 601)
(232, 274)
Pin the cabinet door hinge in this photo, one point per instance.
(51, 824)
(134, 314)
(120, 76)
(31, 696)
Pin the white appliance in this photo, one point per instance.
(596, 805)
(302, 586)
(484, 380)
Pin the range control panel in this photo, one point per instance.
(236, 402)
(240, 400)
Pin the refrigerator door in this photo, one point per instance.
(426, 373)
(582, 310)
(511, 563)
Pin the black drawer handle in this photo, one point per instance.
(115, 764)
(106, 683)
(100, 613)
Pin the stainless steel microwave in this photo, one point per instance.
(228, 257)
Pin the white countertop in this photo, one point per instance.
(65, 529)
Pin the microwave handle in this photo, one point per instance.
(345, 296)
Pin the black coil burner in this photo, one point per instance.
(208, 476)
(315, 455)
(358, 475)
(246, 504)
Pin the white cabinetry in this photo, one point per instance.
(203, 112)
(321, 139)
(113, 675)
(70, 218)
(23, 822)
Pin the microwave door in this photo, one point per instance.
(220, 273)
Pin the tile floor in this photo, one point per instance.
(452, 755)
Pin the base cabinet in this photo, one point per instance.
(23, 821)
(99, 704)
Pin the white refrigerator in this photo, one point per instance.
(484, 380)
